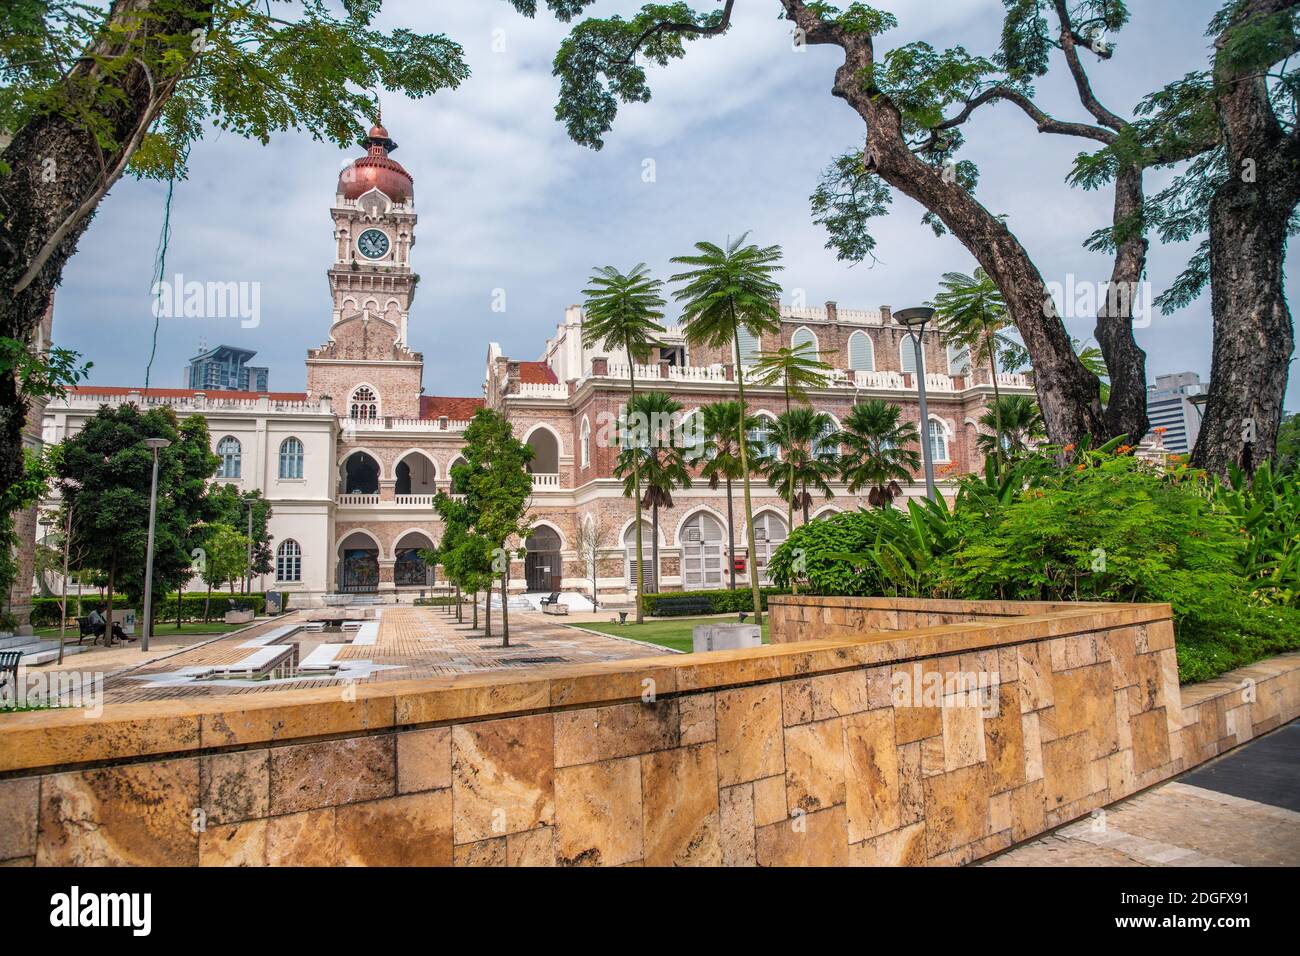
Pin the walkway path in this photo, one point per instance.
(412, 643)
(1234, 811)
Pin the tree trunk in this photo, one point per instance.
(744, 467)
(505, 611)
(108, 611)
(475, 623)
(1126, 363)
(636, 491)
(1253, 333)
(59, 174)
(654, 542)
(459, 618)
(731, 527)
(487, 611)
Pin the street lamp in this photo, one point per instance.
(915, 320)
(157, 444)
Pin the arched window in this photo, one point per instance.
(770, 532)
(629, 557)
(750, 346)
(907, 354)
(803, 336)
(291, 458)
(823, 447)
(230, 453)
(958, 359)
(862, 353)
(584, 443)
(938, 440)
(703, 548)
(364, 405)
(762, 436)
(288, 561)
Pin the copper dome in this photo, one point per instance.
(376, 170)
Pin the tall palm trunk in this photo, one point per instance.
(744, 467)
(789, 490)
(654, 541)
(803, 499)
(997, 406)
(731, 527)
(636, 490)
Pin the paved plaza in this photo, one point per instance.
(411, 643)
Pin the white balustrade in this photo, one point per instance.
(543, 480)
(889, 380)
(358, 499)
(938, 382)
(543, 390)
(425, 500)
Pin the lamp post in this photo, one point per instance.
(915, 320)
(157, 444)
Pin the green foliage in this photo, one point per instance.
(105, 472)
(29, 489)
(622, 311)
(805, 441)
(651, 451)
(720, 602)
(879, 451)
(1104, 528)
(1010, 426)
(41, 374)
(225, 555)
(245, 67)
(230, 506)
(726, 288)
(46, 610)
(848, 196)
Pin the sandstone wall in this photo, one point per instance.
(799, 752)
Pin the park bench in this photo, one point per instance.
(674, 607)
(85, 630)
(9, 666)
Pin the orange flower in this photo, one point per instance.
(1123, 449)
(1080, 467)
(1069, 447)
(1160, 429)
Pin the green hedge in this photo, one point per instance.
(46, 613)
(724, 601)
(442, 600)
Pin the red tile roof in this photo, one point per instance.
(536, 373)
(183, 392)
(457, 409)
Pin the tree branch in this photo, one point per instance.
(1069, 47)
(1045, 123)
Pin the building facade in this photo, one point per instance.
(351, 465)
(226, 368)
(1170, 406)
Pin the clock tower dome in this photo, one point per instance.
(372, 287)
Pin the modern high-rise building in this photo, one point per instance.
(226, 369)
(1170, 406)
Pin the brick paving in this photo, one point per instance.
(412, 643)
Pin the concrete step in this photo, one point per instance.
(42, 652)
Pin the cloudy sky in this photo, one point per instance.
(737, 132)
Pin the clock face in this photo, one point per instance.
(373, 244)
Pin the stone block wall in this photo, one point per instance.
(797, 753)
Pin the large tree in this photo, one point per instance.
(622, 313)
(497, 491)
(723, 291)
(903, 96)
(718, 458)
(88, 92)
(1241, 194)
(111, 473)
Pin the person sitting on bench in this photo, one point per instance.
(96, 620)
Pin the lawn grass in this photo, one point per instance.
(674, 633)
(162, 630)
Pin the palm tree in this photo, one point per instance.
(718, 457)
(800, 437)
(658, 460)
(1016, 421)
(727, 289)
(1095, 363)
(971, 312)
(878, 455)
(621, 313)
(797, 369)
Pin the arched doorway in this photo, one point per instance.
(629, 557)
(546, 452)
(543, 569)
(770, 532)
(358, 563)
(360, 474)
(415, 475)
(702, 552)
(410, 570)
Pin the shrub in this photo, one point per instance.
(45, 610)
(720, 602)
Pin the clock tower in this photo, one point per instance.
(366, 366)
